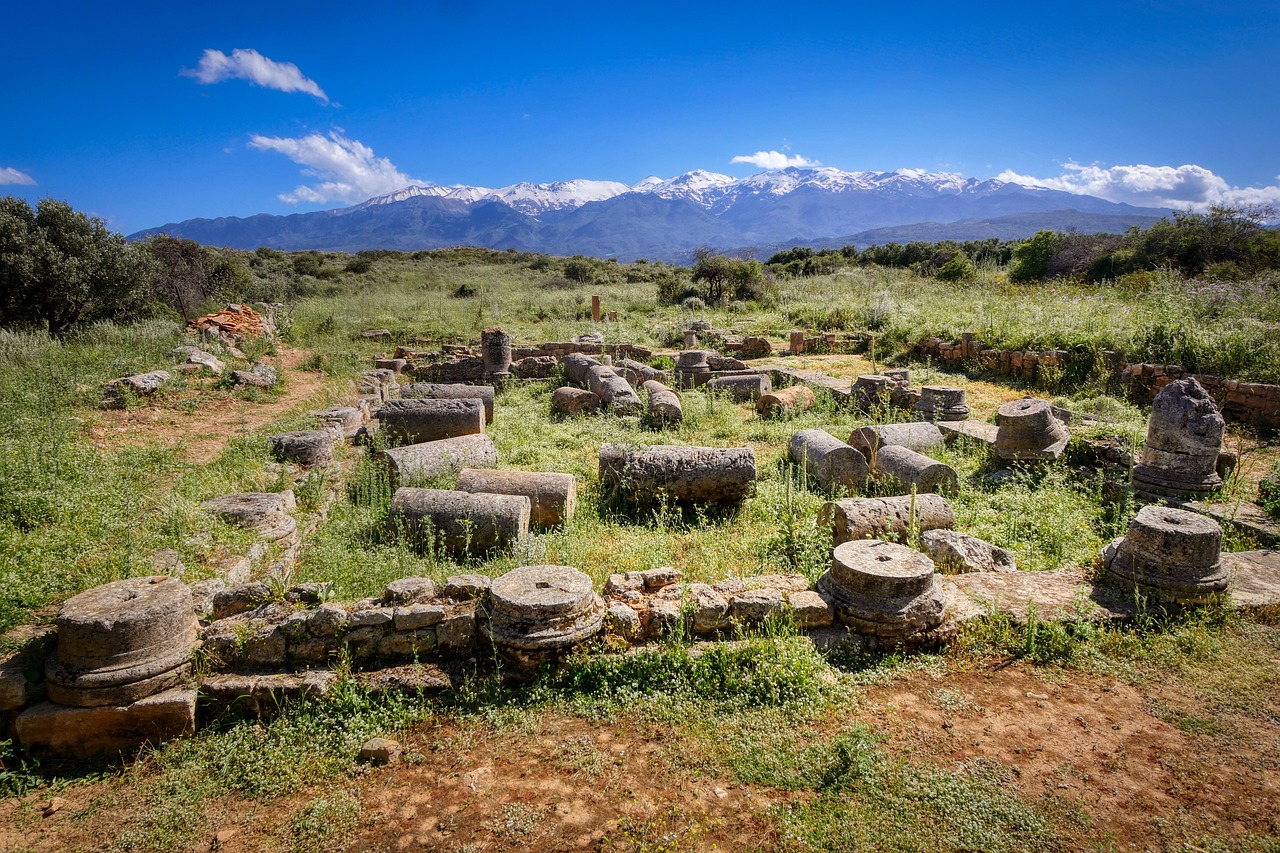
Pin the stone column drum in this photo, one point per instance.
(870, 391)
(122, 642)
(860, 518)
(553, 497)
(917, 435)
(664, 408)
(783, 401)
(422, 420)
(451, 391)
(434, 458)
(903, 470)
(941, 403)
(1171, 554)
(1029, 431)
(742, 388)
(576, 366)
(537, 614)
(828, 459)
(884, 590)
(692, 368)
(495, 351)
(689, 474)
(1183, 439)
(460, 522)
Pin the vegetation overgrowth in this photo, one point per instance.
(81, 505)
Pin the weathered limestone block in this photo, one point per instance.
(883, 589)
(538, 614)
(422, 420)
(576, 366)
(262, 695)
(200, 359)
(451, 391)
(742, 389)
(495, 350)
(122, 641)
(941, 403)
(614, 392)
(261, 375)
(380, 383)
(535, 367)
(1171, 554)
(1183, 440)
(664, 404)
(693, 474)
(870, 391)
(107, 730)
(693, 368)
(960, 552)
(902, 469)
(661, 577)
(345, 421)
(1029, 431)
(458, 521)
(416, 462)
(395, 365)
(810, 609)
(20, 667)
(574, 401)
(754, 606)
(554, 497)
(239, 599)
(710, 609)
(829, 460)
(266, 513)
(785, 401)
(864, 518)
(466, 587)
(638, 373)
(624, 621)
(143, 386)
(918, 436)
(309, 447)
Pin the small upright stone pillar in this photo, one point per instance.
(1181, 455)
(797, 342)
(1029, 431)
(1171, 554)
(595, 308)
(537, 614)
(690, 339)
(870, 391)
(942, 403)
(883, 589)
(495, 350)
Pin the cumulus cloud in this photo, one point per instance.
(348, 169)
(10, 175)
(773, 160)
(1179, 187)
(215, 67)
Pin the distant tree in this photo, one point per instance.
(1031, 258)
(580, 270)
(186, 276)
(60, 268)
(958, 269)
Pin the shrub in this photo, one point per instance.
(580, 270)
(958, 269)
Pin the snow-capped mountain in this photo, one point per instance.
(666, 218)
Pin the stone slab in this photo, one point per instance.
(1246, 517)
(1255, 578)
(979, 431)
(86, 732)
(1061, 596)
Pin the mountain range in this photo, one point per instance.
(667, 219)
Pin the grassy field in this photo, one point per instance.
(757, 746)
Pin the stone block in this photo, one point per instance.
(107, 730)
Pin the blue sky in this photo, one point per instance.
(144, 113)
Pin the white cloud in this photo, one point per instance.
(1178, 187)
(773, 160)
(10, 175)
(215, 67)
(347, 169)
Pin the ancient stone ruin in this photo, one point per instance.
(683, 474)
(1184, 437)
(1170, 554)
(538, 614)
(1029, 431)
(941, 403)
(887, 592)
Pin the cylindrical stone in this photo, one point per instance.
(458, 521)
(614, 391)
(901, 375)
(537, 614)
(574, 401)
(642, 372)
(1029, 431)
(796, 398)
(828, 459)
(417, 462)
(871, 390)
(416, 421)
(306, 447)
(690, 339)
(664, 404)
(692, 368)
(1183, 441)
(862, 518)
(345, 420)
(690, 474)
(941, 403)
(121, 642)
(742, 388)
(451, 391)
(576, 366)
(1172, 554)
(495, 351)
(902, 469)
(553, 497)
(917, 435)
(883, 589)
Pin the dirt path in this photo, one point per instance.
(201, 422)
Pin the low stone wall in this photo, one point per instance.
(1250, 403)
(829, 342)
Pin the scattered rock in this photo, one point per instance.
(960, 552)
(380, 750)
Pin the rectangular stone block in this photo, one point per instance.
(86, 732)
